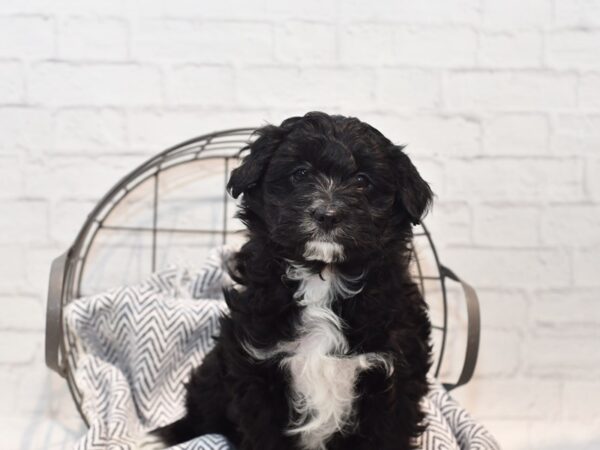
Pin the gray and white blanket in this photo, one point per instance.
(132, 348)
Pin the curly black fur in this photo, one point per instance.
(337, 179)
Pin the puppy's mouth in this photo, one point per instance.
(325, 251)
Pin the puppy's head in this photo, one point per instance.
(328, 188)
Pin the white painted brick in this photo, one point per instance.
(25, 128)
(514, 14)
(21, 313)
(359, 41)
(11, 177)
(108, 7)
(47, 432)
(80, 129)
(573, 434)
(592, 180)
(66, 219)
(503, 308)
(84, 38)
(153, 131)
(511, 399)
(81, 178)
(430, 134)
(577, 13)
(431, 12)
(506, 226)
(135, 10)
(567, 312)
(58, 83)
(12, 268)
(500, 355)
(32, 394)
(452, 222)
(515, 180)
(408, 45)
(447, 47)
(562, 357)
(589, 91)
(12, 86)
(201, 85)
(585, 266)
(516, 134)
(407, 89)
(215, 42)
(26, 37)
(517, 268)
(513, 49)
(575, 225)
(581, 399)
(9, 379)
(39, 260)
(42, 393)
(24, 352)
(574, 49)
(306, 10)
(307, 88)
(225, 9)
(305, 42)
(497, 90)
(18, 7)
(510, 433)
(23, 221)
(15, 377)
(577, 134)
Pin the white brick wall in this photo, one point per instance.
(499, 102)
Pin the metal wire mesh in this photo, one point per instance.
(174, 208)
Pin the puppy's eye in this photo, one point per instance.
(362, 181)
(300, 174)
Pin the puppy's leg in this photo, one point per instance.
(388, 414)
(262, 410)
(206, 403)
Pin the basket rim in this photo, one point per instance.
(70, 275)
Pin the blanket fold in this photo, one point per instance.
(132, 348)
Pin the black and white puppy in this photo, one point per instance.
(327, 342)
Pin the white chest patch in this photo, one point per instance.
(323, 374)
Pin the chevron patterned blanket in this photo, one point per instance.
(132, 348)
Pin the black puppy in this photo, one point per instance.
(327, 342)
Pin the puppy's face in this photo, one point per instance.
(329, 188)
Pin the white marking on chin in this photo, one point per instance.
(323, 374)
(327, 252)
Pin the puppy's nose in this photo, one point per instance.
(326, 217)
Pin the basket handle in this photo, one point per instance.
(473, 330)
(54, 327)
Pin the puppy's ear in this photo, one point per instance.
(413, 193)
(249, 173)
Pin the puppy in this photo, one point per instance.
(326, 345)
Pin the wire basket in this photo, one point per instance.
(175, 208)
